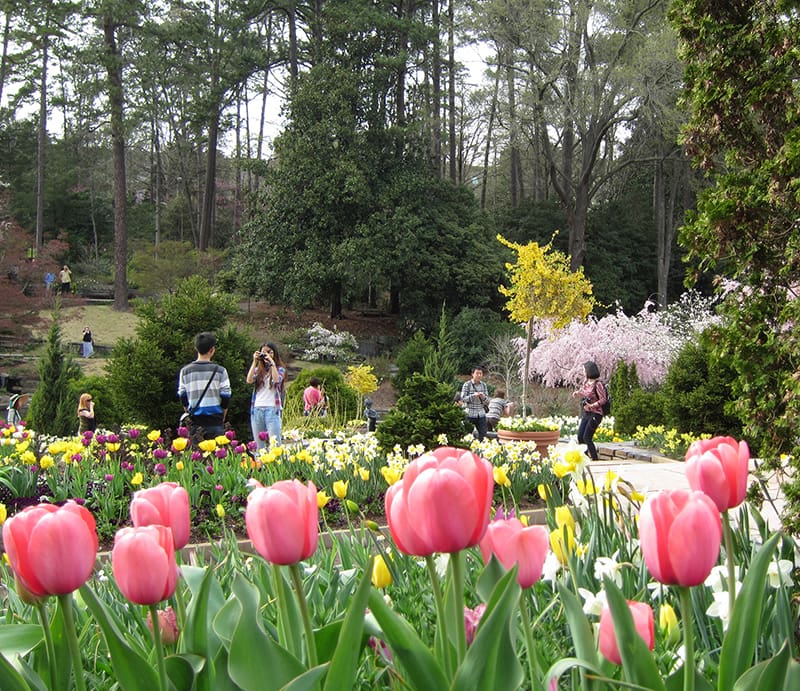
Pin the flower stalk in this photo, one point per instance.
(161, 665)
(65, 603)
(297, 580)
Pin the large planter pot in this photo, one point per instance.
(543, 439)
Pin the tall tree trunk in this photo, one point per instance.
(293, 59)
(436, 92)
(515, 180)
(115, 97)
(489, 129)
(4, 58)
(41, 146)
(451, 86)
(336, 301)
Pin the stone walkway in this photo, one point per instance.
(650, 473)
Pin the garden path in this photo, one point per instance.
(650, 473)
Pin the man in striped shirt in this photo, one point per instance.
(205, 389)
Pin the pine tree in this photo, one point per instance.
(53, 405)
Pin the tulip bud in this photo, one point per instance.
(381, 576)
(168, 624)
(668, 623)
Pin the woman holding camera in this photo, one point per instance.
(267, 374)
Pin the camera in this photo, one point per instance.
(265, 359)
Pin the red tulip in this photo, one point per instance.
(513, 543)
(643, 621)
(282, 521)
(680, 533)
(442, 503)
(52, 549)
(719, 468)
(165, 504)
(143, 561)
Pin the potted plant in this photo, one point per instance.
(543, 431)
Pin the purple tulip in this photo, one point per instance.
(160, 469)
(134, 433)
(160, 454)
(109, 477)
(76, 458)
(112, 438)
(183, 431)
(210, 469)
(101, 438)
(230, 434)
(221, 452)
(196, 455)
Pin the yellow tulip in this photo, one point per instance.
(3, 513)
(381, 576)
(207, 445)
(500, 476)
(180, 443)
(340, 488)
(544, 491)
(113, 446)
(154, 434)
(179, 465)
(322, 499)
(222, 440)
(564, 517)
(137, 479)
(363, 473)
(391, 475)
(668, 623)
(561, 550)
(220, 511)
(46, 462)
(524, 519)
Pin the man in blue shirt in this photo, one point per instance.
(205, 389)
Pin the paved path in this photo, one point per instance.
(650, 473)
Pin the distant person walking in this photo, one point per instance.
(65, 277)
(593, 396)
(267, 374)
(86, 418)
(475, 399)
(87, 345)
(315, 402)
(205, 390)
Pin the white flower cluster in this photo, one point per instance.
(327, 345)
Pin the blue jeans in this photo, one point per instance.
(268, 420)
(586, 429)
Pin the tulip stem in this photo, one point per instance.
(65, 603)
(688, 637)
(533, 658)
(41, 607)
(297, 579)
(285, 629)
(440, 614)
(159, 650)
(727, 532)
(457, 565)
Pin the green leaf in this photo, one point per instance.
(422, 669)
(579, 627)
(252, 650)
(489, 578)
(19, 639)
(309, 680)
(769, 674)
(131, 670)
(344, 664)
(637, 661)
(10, 679)
(675, 681)
(491, 662)
(739, 643)
(567, 664)
(207, 600)
(181, 670)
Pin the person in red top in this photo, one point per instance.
(593, 396)
(314, 400)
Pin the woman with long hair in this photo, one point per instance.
(86, 419)
(267, 374)
(593, 395)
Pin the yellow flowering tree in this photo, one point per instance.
(543, 287)
(362, 379)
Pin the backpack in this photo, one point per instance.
(606, 407)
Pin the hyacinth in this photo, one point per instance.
(650, 339)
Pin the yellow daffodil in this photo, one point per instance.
(562, 469)
(500, 476)
(3, 513)
(207, 445)
(46, 462)
(637, 496)
(180, 443)
(391, 475)
(340, 488)
(154, 434)
(381, 576)
(557, 543)
(137, 479)
(322, 499)
(363, 473)
(586, 487)
(220, 510)
(564, 517)
(179, 465)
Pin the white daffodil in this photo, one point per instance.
(608, 566)
(779, 573)
(550, 568)
(717, 579)
(593, 604)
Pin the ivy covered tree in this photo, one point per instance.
(742, 72)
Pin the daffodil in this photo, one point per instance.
(564, 517)
(543, 490)
(363, 473)
(220, 510)
(562, 542)
(381, 576)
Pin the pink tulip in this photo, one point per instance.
(643, 621)
(472, 618)
(168, 625)
(165, 504)
(442, 503)
(513, 543)
(719, 468)
(680, 533)
(52, 549)
(282, 521)
(143, 561)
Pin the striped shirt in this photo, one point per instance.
(192, 381)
